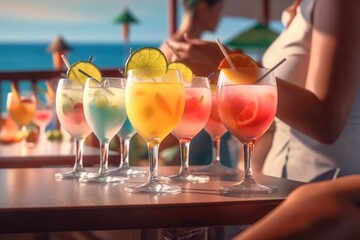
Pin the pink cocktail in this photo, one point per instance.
(42, 118)
(196, 114)
(215, 128)
(247, 106)
(70, 112)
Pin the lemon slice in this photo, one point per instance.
(80, 71)
(186, 72)
(147, 63)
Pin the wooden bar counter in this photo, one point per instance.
(32, 200)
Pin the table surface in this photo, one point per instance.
(49, 153)
(32, 200)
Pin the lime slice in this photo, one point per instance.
(147, 63)
(80, 71)
(100, 99)
(186, 72)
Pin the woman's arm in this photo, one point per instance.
(314, 211)
(322, 110)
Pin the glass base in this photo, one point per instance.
(101, 178)
(187, 178)
(153, 187)
(127, 172)
(217, 169)
(71, 174)
(247, 187)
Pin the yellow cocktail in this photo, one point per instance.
(154, 108)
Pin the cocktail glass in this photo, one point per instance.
(196, 114)
(154, 107)
(21, 109)
(70, 112)
(215, 128)
(104, 108)
(247, 107)
(125, 134)
(43, 114)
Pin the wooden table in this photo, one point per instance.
(32, 200)
(49, 154)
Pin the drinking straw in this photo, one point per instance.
(221, 46)
(68, 65)
(50, 90)
(65, 61)
(271, 69)
(122, 72)
(14, 91)
(88, 75)
(211, 75)
(92, 78)
(90, 58)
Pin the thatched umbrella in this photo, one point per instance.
(125, 19)
(57, 48)
(260, 37)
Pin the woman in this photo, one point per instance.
(318, 126)
(199, 16)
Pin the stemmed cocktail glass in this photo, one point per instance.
(247, 107)
(104, 108)
(125, 134)
(43, 113)
(70, 112)
(196, 114)
(215, 128)
(154, 106)
(21, 108)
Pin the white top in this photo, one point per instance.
(301, 157)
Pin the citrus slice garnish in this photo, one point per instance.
(147, 63)
(240, 60)
(100, 99)
(249, 111)
(186, 72)
(14, 91)
(82, 70)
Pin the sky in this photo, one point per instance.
(92, 21)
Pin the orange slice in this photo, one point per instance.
(248, 76)
(249, 112)
(239, 60)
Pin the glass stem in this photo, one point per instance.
(248, 157)
(124, 152)
(184, 155)
(104, 153)
(216, 149)
(42, 136)
(79, 149)
(153, 149)
(24, 133)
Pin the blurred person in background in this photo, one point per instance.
(199, 16)
(317, 130)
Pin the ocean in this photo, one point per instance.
(35, 57)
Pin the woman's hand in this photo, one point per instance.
(203, 57)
